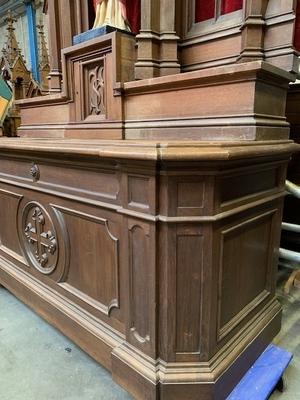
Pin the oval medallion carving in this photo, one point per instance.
(40, 239)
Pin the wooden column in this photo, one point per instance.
(81, 15)
(168, 49)
(253, 30)
(157, 40)
(55, 75)
(68, 27)
(147, 65)
(61, 35)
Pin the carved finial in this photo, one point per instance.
(10, 20)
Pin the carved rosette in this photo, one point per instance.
(40, 239)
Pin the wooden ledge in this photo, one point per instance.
(57, 98)
(176, 81)
(151, 150)
(213, 75)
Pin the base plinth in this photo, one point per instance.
(162, 256)
(96, 32)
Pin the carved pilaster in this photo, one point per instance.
(55, 75)
(168, 48)
(157, 40)
(147, 65)
(68, 18)
(253, 30)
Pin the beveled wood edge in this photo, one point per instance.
(232, 72)
(157, 217)
(42, 101)
(198, 372)
(150, 150)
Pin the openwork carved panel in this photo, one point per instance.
(39, 237)
(93, 98)
(96, 89)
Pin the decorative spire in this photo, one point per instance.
(44, 63)
(43, 51)
(11, 50)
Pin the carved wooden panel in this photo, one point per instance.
(190, 197)
(141, 285)
(94, 80)
(94, 92)
(163, 303)
(102, 184)
(39, 238)
(93, 71)
(42, 236)
(189, 280)
(239, 185)
(94, 260)
(9, 244)
(245, 262)
(139, 246)
(186, 196)
(138, 192)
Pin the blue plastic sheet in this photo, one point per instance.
(262, 378)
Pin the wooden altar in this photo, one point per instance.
(141, 205)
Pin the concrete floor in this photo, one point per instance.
(289, 339)
(39, 363)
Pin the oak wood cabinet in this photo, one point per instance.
(141, 204)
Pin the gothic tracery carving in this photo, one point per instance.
(96, 79)
(41, 246)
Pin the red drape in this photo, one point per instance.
(205, 9)
(133, 8)
(229, 6)
(297, 28)
(133, 13)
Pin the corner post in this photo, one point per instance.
(253, 30)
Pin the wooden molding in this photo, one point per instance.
(132, 110)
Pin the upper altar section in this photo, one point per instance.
(180, 36)
(150, 69)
